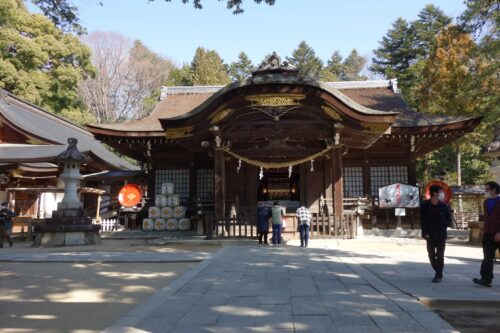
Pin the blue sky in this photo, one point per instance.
(175, 30)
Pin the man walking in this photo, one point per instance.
(304, 219)
(6, 216)
(435, 217)
(491, 237)
(277, 218)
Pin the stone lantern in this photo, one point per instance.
(68, 225)
(71, 159)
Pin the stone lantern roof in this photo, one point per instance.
(72, 154)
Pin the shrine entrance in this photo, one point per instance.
(282, 186)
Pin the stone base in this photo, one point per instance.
(476, 231)
(67, 238)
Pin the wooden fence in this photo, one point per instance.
(330, 226)
(107, 224)
(245, 226)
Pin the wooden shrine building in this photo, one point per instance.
(279, 136)
(31, 138)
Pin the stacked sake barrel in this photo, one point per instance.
(167, 214)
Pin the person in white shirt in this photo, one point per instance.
(304, 220)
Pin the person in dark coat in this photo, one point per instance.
(6, 216)
(263, 215)
(435, 218)
(491, 236)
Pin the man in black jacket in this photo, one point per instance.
(435, 217)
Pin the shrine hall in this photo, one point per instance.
(277, 135)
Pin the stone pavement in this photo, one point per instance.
(286, 289)
(104, 257)
(404, 266)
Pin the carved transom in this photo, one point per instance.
(176, 133)
(275, 100)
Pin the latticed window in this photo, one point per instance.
(353, 182)
(381, 176)
(205, 184)
(180, 178)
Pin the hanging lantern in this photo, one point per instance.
(238, 167)
(261, 173)
(312, 165)
(290, 169)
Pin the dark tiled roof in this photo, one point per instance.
(384, 99)
(374, 96)
(52, 132)
(170, 107)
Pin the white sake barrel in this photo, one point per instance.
(147, 224)
(154, 212)
(167, 212)
(172, 224)
(167, 188)
(179, 212)
(185, 224)
(161, 200)
(160, 225)
(173, 200)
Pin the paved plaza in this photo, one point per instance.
(325, 288)
(363, 285)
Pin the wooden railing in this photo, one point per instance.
(332, 226)
(245, 226)
(107, 224)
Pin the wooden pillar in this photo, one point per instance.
(98, 209)
(303, 185)
(151, 184)
(193, 169)
(329, 185)
(338, 187)
(366, 176)
(252, 183)
(219, 186)
(412, 170)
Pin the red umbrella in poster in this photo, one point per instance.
(130, 195)
(444, 186)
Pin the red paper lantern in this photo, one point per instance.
(444, 186)
(130, 195)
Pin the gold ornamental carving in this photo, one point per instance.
(331, 112)
(176, 133)
(275, 100)
(376, 127)
(214, 119)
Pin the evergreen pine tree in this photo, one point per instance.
(353, 65)
(242, 68)
(306, 61)
(207, 68)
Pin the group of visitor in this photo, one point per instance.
(435, 218)
(276, 217)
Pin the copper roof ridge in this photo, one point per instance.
(211, 89)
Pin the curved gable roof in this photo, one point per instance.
(368, 97)
(51, 132)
